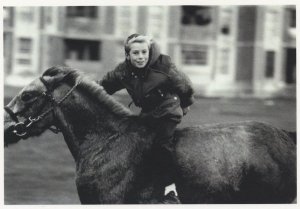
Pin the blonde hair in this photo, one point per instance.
(136, 38)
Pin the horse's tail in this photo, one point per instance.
(292, 135)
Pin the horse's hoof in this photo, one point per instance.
(171, 198)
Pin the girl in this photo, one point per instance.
(154, 84)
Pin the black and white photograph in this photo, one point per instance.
(171, 103)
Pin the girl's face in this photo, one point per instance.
(139, 54)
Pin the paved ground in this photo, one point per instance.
(41, 170)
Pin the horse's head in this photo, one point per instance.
(32, 111)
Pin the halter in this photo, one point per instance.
(21, 127)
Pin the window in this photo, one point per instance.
(24, 61)
(224, 60)
(155, 22)
(195, 15)
(48, 15)
(82, 49)
(80, 11)
(125, 20)
(5, 45)
(5, 13)
(7, 17)
(26, 13)
(194, 54)
(225, 20)
(270, 61)
(292, 18)
(25, 45)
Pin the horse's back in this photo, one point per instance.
(239, 162)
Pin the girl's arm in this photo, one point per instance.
(111, 81)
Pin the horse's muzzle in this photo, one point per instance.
(10, 136)
(20, 129)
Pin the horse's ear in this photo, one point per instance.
(56, 74)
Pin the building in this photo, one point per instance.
(226, 50)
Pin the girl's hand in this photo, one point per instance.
(185, 110)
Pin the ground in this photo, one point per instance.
(41, 170)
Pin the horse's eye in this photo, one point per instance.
(26, 97)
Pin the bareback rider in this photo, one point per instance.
(154, 84)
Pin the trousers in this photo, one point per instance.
(165, 134)
(164, 143)
(164, 129)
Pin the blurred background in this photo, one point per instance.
(226, 50)
(241, 60)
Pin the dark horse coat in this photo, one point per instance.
(246, 162)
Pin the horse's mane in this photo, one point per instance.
(91, 87)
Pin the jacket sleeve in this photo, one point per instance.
(111, 82)
(182, 85)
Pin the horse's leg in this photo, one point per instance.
(87, 195)
(152, 192)
(146, 192)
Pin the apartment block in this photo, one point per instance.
(225, 50)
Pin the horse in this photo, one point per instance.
(115, 155)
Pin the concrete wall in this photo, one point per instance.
(55, 52)
(174, 22)
(109, 27)
(8, 53)
(142, 20)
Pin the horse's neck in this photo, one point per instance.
(80, 121)
(106, 144)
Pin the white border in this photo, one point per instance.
(134, 3)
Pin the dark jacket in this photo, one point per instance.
(159, 88)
